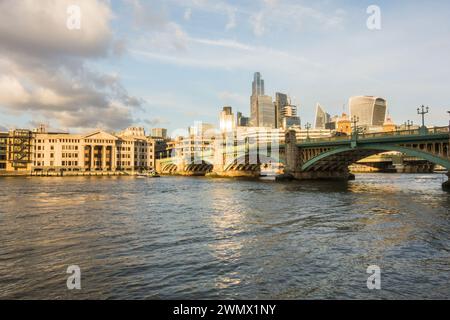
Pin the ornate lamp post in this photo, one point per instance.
(307, 127)
(355, 121)
(409, 124)
(423, 111)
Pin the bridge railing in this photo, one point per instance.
(412, 132)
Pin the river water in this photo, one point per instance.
(200, 238)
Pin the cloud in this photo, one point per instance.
(227, 55)
(154, 26)
(233, 99)
(157, 121)
(211, 6)
(279, 16)
(256, 21)
(232, 23)
(45, 67)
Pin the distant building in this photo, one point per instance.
(389, 125)
(322, 118)
(227, 121)
(290, 118)
(201, 129)
(3, 149)
(281, 101)
(242, 121)
(371, 111)
(41, 151)
(262, 109)
(159, 133)
(266, 112)
(289, 122)
(344, 125)
(332, 124)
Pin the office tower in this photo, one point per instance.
(289, 117)
(159, 133)
(257, 85)
(227, 122)
(332, 124)
(281, 101)
(242, 121)
(262, 113)
(322, 118)
(202, 129)
(266, 112)
(291, 121)
(371, 111)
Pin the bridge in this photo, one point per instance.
(225, 159)
(325, 158)
(329, 158)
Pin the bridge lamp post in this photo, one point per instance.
(355, 121)
(307, 127)
(423, 111)
(409, 124)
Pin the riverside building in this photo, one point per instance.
(41, 151)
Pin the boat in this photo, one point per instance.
(151, 174)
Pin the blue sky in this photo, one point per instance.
(185, 59)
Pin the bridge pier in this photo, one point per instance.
(323, 175)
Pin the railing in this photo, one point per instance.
(362, 136)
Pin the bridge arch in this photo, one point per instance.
(242, 163)
(363, 151)
(202, 167)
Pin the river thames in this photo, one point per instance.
(200, 238)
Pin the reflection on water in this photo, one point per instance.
(204, 238)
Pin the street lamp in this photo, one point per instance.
(409, 124)
(423, 112)
(307, 127)
(355, 121)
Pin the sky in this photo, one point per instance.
(174, 62)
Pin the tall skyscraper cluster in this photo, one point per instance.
(264, 112)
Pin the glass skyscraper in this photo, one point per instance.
(262, 109)
(281, 101)
(371, 111)
(322, 118)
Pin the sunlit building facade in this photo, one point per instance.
(370, 111)
(322, 118)
(227, 121)
(42, 151)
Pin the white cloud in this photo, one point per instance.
(257, 23)
(232, 23)
(44, 65)
(12, 92)
(233, 99)
(227, 55)
(279, 16)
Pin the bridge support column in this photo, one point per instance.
(291, 157)
(324, 175)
